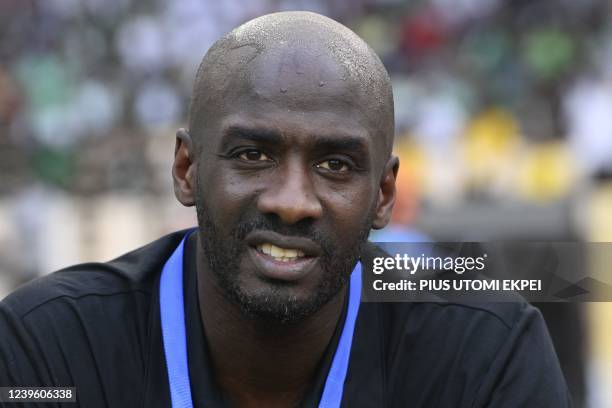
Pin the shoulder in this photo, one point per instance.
(506, 316)
(133, 272)
(471, 354)
(90, 326)
(483, 326)
(492, 354)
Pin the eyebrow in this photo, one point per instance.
(335, 142)
(259, 135)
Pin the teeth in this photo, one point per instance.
(280, 254)
(277, 252)
(267, 249)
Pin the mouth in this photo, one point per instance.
(280, 254)
(282, 258)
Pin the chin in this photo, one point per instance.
(280, 304)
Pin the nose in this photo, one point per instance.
(291, 196)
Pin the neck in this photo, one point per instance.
(261, 362)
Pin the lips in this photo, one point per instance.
(280, 257)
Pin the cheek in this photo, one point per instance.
(350, 207)
(226, 195)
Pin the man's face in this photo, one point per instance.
(287, 185)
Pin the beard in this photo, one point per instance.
(276, 303)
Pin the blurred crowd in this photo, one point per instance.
(512, 97)
(498, 103)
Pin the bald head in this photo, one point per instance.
(291, 128)
(298, 60)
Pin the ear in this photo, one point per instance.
(184, 168)
(386, 194)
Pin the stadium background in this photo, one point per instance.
(503, 110)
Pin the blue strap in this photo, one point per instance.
(172, 314)
(334, 385)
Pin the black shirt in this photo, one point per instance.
(96, 326)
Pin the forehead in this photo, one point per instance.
(301, 76)
(295, 88)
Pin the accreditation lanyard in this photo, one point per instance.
(172, 311)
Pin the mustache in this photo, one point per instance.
(303, 229)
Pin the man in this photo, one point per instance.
(288, 162)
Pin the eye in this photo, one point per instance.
(253, 155)
(334, 165)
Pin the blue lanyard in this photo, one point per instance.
(172, 313)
